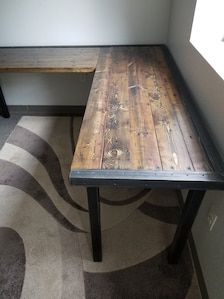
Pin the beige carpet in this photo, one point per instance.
(45, 249)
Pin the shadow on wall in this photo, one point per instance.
(46, 89)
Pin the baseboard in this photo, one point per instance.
(199, 273)
(47, 110)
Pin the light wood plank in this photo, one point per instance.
(48, 60)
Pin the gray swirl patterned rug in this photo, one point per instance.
(45, 249)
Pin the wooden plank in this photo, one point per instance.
(192, 140)
(180, 153)
(89, 149)
(160, 116)
(117, 133)
(135, 147)
(144, 148)
(47, 60)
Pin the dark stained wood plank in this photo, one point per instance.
(180, 154)
(164, 138)
(89, 149)
(135, 147)
(192, 140)
(117, 127)
(143, 137)
(161, 118)
(47, 60)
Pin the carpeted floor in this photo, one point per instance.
(6, 127)
(45, 249)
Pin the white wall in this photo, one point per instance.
(73, 22)
(208, 89)
(88, 22)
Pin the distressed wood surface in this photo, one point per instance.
(47, 60)
(135, 119)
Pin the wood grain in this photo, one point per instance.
(135, 119)
(179, 153)
(116, 145)
(48, 60)
(191, 139)
(143, 136)
(90, 146)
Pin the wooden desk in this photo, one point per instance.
(141, 127)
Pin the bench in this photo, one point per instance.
(141, 127)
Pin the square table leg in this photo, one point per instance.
(3, 106)
(94, 215)
(190, 210)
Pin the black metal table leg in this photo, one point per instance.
(94, 214)
(3, 106)
(190, 210)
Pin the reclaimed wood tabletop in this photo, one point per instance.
(135, 119)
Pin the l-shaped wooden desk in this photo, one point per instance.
(141, 127)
